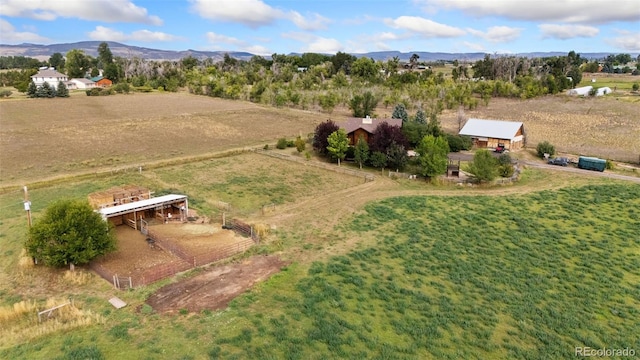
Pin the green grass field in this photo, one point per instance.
(528, 276)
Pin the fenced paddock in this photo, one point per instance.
(158, 255)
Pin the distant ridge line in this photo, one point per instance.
(43, 52)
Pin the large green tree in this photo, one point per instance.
(433, 153)
(105, 56)
(57, 61)
(77, 64)
(338, 144)
(70, 232)
(484, 166)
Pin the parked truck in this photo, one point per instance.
(591, 163)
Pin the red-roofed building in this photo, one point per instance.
(365, 127)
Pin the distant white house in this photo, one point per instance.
(50, 76)
(83, 83)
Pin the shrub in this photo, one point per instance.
(459, 142)
(96, 91)
(635, 87)
(545, 148)
(610, 165)
(266, 147)
(144, 89)
(351, 153)
(5, 93)
(291, 143)
(122, 88)
(282, 144)
(505, 170)
(504, 159)
(300, 144)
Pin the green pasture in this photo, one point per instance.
(618, 82)
(459, 277)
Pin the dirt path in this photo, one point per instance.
(216, 287)
(582, 172)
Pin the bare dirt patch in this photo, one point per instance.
(134, 254)
(214, 288)
(197, 237)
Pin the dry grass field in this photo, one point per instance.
(607, 127)
(52, 138)
(43, 138)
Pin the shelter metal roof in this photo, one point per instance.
(496, 129)
(141, 205)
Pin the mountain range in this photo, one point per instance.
(43, 52)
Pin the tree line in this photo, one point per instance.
(324, 82)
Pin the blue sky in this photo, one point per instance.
(356, 26)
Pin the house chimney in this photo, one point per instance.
(367, 120)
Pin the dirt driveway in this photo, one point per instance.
(216, 287)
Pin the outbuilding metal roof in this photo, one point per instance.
(140, 205)
(496, 129)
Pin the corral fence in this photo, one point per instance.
(186, 259)
(122, 283)
(342, 170)
(240, 227)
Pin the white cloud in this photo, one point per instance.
(258, 50)
(218, 41)
(424, 27)
(497, 34)
(108, 34)
(313, 22)
(254, 13)
(627, 41)
(315, 43)
(218, 38)
(9, 35)
(100, 10)
(571, 11)
(564, 32)
(324, 45)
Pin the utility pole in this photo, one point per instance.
(27, 205)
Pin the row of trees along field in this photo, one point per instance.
(322, 81)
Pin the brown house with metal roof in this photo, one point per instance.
(365, 127)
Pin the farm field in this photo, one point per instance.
(44, 138)
(382, 269)
(57, 138)
(456, 276)
(603, 127)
